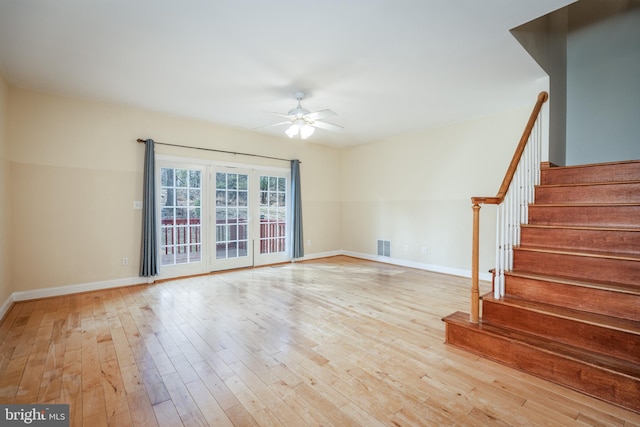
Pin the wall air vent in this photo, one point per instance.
(384, 248)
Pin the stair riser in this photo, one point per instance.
(596, 173)
(610, 193)
(603, 384)
(578, 267)
(599, 301)
(613, 241)
(602, 216)
(569, 331)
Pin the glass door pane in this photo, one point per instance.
(182, 206)
(274, 225)
(232, 243)
(180, 216)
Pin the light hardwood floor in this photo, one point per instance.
(337, 341)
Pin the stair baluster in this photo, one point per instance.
(514, 195)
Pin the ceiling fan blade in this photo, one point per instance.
(273, 125)
(320, 115)
(327, 126)
(286, 116)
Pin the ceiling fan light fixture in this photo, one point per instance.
(292, 130)
(306, 131)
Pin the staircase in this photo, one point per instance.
(571, 310)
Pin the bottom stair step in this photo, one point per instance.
(610, 299)
(619, 338)
(600, 376)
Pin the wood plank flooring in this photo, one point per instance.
(337, 341)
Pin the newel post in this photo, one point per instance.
(475, 254)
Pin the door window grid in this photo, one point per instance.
(273, 214)
(232, 215)
(180, 207)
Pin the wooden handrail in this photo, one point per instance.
(511, 170)
(502, 192)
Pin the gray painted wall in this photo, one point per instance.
(545, 39)
(591, 51)
(603, 90)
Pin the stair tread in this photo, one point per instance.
(592, 165)
(582, 227)
(585, 356)
(624, 325)
(585, 204)
(588, 184)
(579, 252)
(608, 286)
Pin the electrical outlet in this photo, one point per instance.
(423, 250)
(125, 261)
(137, 204)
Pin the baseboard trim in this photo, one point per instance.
(4, 309)
(418, 265)
(129, 281)
(74, 289)
(319, 255)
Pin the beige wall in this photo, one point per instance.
(415, 190)
(76, 171)
(5, 284)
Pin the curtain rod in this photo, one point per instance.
(142, 141)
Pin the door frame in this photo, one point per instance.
(207, 263)
(219, 264)
(275, 257)
(184, 269)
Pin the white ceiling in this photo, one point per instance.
(386, 67)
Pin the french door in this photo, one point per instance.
(273, 208)
(180, 191)
(232, 231)
(218, 217)
(251, 221)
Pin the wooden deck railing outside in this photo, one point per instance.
(184, 235)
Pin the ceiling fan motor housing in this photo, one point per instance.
(298, 112)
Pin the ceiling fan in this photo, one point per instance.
(303, 122)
